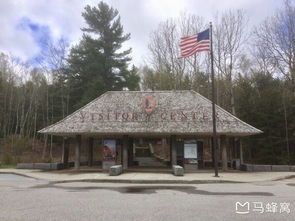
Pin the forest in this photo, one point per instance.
(254, 67)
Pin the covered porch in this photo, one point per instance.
(152, 153)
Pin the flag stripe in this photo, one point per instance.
(195, 51)
(187, 42)
(188, 37)
(184, 48)
(190, 45)
(199, 50)
(187, 51)
(189, 48)
(194, 47)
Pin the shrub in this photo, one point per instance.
(7, 159)
(19, 144)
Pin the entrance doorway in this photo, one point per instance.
(148, 152)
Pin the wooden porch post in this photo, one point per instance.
(125, 152)
(212, 151)
(77, 152)
(224, 152)
(173, 150)
(241, 152)
(90, 151)
(65, 151)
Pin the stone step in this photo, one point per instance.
(148, 161)
(145, 159)
(151, 164)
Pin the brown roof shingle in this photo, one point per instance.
(149, 112)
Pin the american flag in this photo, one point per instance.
(193, 44)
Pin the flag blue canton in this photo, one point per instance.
(204, 35)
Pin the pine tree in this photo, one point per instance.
(97, 64)
(260, 103)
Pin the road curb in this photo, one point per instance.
(283, 178)
(19, 174)
(142, 181)
(138, 181)
(147, 181)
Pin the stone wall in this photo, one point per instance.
(261, 168)
(43, 166)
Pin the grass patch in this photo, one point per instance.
(9, 166)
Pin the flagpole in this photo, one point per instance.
(213, 106)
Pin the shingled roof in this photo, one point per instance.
(149, 113)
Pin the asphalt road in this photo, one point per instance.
(28, 199)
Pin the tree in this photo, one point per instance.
(275, 54)
(164, 52)
(97, 64)
(132, 79)
(275, 43)
(261, 103)
(229, 39)
(155, 80)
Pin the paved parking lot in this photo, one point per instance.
(24, 198)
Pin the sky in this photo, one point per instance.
(28, 25)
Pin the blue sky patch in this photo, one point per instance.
(41, 35)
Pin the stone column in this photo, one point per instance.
(224, 152)
(90, 151)
(77, 152)
(125, 152)
(65, 151)
(173, 150)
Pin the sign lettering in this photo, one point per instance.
(139, 116)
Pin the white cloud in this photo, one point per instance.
(63, 17)
(13, 41)
(141, 17)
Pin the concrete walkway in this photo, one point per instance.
(137, 177)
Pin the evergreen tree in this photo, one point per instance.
(260, 103)
(97, 64)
